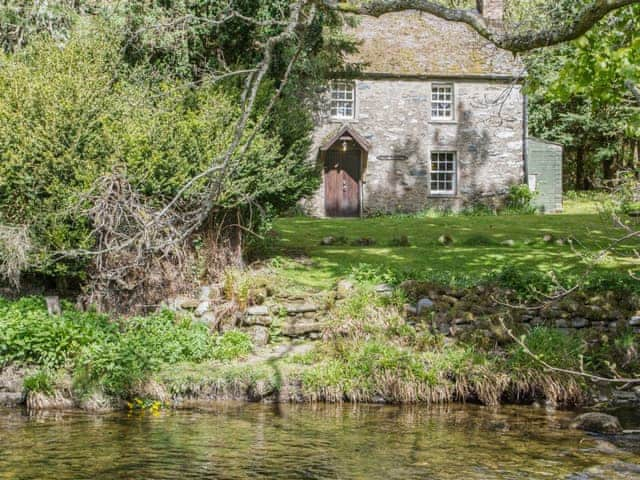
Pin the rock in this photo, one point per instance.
(257, 310)
(264, 321)
(562, 323)
(210, 319)
(547, 238)
(424, 304)
(344, 289)
(410, 309)
(259, 335)
(384, 290)
(53, 305)
(634, 321)
(326, 241)
(296, 329)
(203, 308)
(11, 399)
(209, 292)
(186, 303)
(508, 243)
(305, 307)
(449, 299)
(445, 240)
(560, 242)
(597, 422)
(579, 323)
(227, 323)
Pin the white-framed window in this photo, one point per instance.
(442, 101)
(443, 173)
(343, 100)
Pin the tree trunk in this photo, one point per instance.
(580, 178)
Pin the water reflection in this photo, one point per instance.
(239, 441)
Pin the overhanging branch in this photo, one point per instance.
(514, 42)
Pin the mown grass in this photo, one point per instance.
(476, 249)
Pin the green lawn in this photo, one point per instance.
(476, 249)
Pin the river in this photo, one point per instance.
(251, 441)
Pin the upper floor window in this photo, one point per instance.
(343, 100)
(443, 173)
(442, 102)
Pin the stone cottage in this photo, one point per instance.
(435, 118)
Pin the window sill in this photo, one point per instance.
(443, 195)
(444, 122)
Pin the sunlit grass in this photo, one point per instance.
(477, 243)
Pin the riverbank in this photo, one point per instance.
(256, 338)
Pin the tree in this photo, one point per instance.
(579, 95)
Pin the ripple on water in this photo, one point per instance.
(239, 441)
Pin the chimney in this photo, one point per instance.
(492, 10)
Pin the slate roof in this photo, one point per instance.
(413, 43)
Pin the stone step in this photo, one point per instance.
(297, 329)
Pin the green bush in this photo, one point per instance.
(111, 354)
(29, 335)
(519, 199)
(87, 113)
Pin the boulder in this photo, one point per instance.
(297, 329)
(423, 305)
(508, 243)
(259, 335)
(597, 422)
(634, 321)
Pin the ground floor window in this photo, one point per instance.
(443, 173)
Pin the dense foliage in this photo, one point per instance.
(103, 87)
(579, 97)
(112, 355)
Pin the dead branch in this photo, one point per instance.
(15, 246)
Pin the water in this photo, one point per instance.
(240, 441)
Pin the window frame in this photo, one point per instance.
(451, 101)
(353, 101)
(454, 173)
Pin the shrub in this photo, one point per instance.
(29, 335)
(111, 354)
(519, 199)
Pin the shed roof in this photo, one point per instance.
(412, 43)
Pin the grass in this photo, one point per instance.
(480, 244)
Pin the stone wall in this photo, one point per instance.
(394, 117)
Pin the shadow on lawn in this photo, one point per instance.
(476, 249)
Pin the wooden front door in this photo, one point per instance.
(342, 183)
